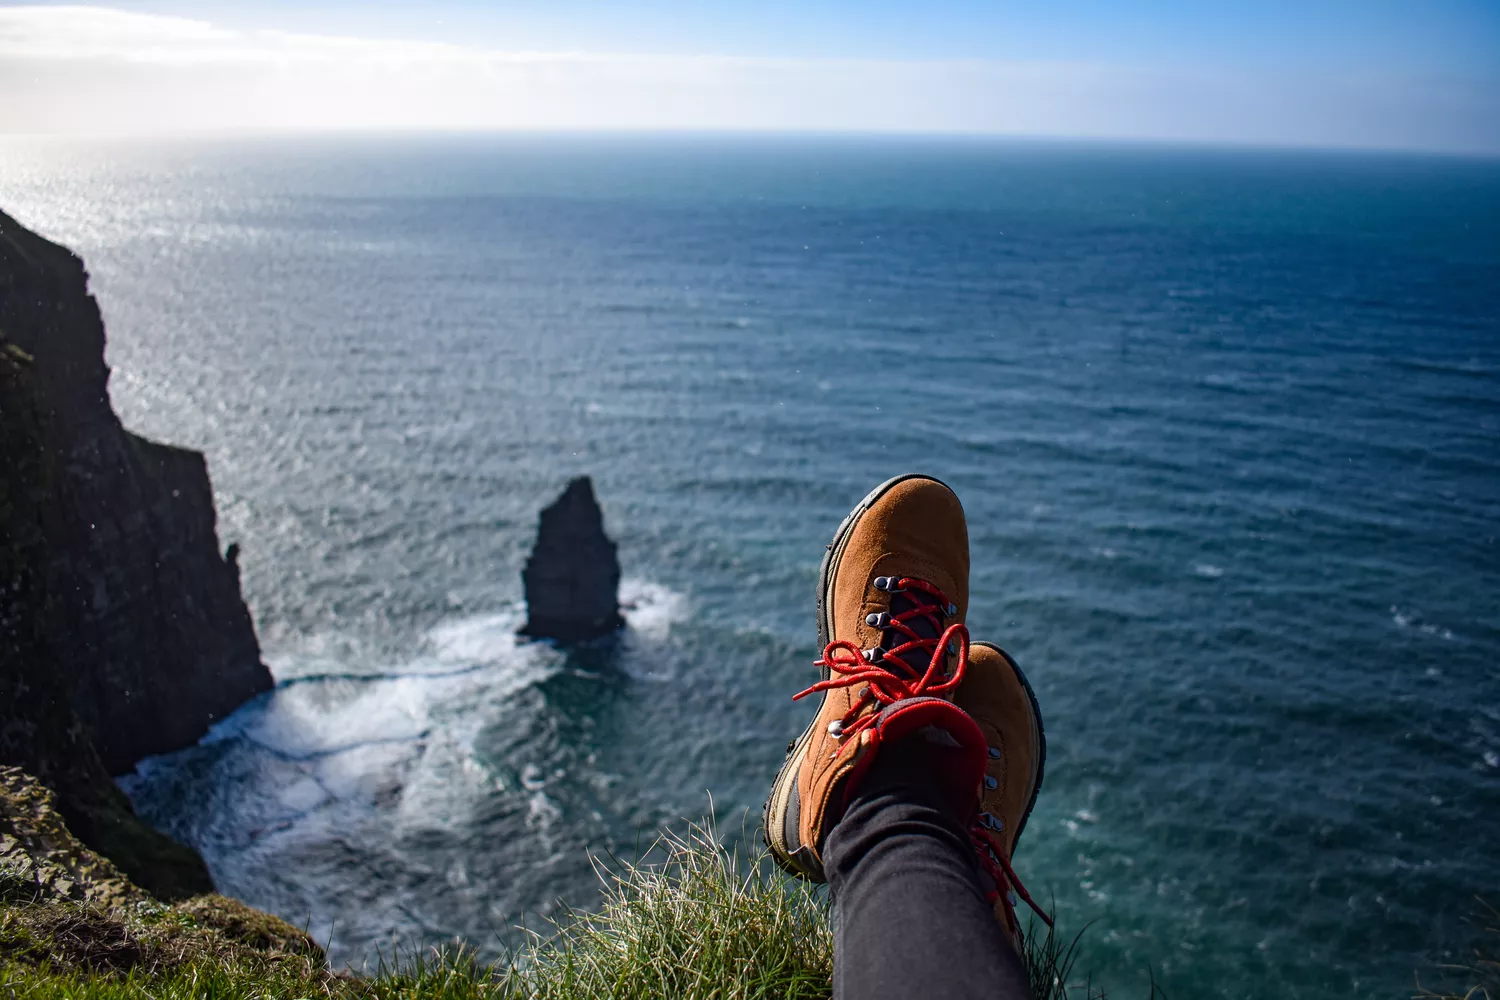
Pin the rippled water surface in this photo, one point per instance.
(1225, 424)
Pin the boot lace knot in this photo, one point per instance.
(891, 670)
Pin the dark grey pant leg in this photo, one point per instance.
(910, 919)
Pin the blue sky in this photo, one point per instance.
(1317, 72)
(1375, 35)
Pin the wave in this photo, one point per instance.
(651, 609)
(1413, 620)
(346, 759)
(1467, 370)
(319, 705)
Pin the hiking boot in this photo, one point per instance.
(996, 694)
(891, 601)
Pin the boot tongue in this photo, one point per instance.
(923, 625)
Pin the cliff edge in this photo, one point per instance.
(65, 908)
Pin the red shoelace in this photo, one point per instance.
(850, 665)
(997, 866)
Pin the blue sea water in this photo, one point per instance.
(1225, 423)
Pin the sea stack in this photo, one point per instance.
(572, 579)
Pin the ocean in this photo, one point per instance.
(1226, 424)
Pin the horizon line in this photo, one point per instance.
(751, 132)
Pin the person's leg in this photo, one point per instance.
(910, 786)
(910, 916)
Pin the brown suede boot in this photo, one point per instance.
(891, 603)
(996, 694)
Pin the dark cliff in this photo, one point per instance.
(145, 622)
(39, 728)
(572, 579)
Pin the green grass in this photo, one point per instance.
(699, 921)
(691, 920)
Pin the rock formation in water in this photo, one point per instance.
(572, 579)
(145, 626)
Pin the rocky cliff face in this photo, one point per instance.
(64, 907)
(572, 579)
(144, 626)
(39, 728)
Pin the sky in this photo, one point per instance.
(1341, 73)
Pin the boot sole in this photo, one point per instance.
(1039, 737)
(783, 800)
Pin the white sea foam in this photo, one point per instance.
(346, 758)
(1412, 620)
(481, 640)
(337, 708)
(651, 609)
(1208, 570)
(336, 738)
(335, 744)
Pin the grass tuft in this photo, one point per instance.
(693, 920)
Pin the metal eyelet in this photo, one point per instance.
(994, 753)
(879, 619)
(990, 782)
(836, 729)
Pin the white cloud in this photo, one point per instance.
(98, 69)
